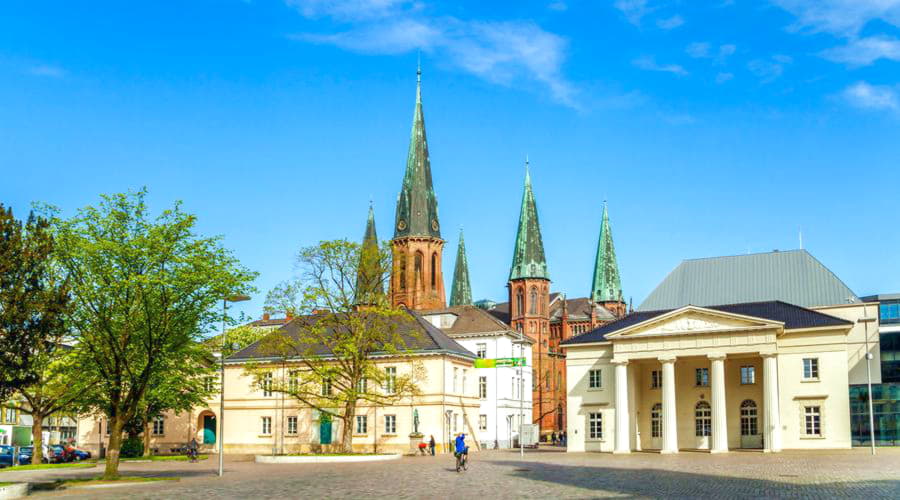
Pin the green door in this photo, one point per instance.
(209, 429)
(325, 429)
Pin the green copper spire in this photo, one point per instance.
(417, 213)
(369, 273)
(606, 287)
(461, 293)
(528, 255)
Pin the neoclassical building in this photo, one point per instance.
(770, 370)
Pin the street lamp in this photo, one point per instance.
(225, 301)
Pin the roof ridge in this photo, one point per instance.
(793, 250)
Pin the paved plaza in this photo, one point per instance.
(501, 474)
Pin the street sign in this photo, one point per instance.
(499, 362)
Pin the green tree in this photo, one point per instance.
(145, 291)
(333, 350)
(59, 388)
(33, 302)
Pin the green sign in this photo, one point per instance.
(499, 362)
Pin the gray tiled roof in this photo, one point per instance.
(418, 334)
(792, 316)
(794, 276)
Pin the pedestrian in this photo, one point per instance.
(553, 438)
(565, 438)
(431, 444)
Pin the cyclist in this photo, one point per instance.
(461, 453)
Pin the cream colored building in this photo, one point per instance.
(767, 375)
(258, 421)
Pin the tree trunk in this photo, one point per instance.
(115, 446)
(147, 437)
(37, 437)
(347, 431)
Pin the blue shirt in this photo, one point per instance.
(461, 443)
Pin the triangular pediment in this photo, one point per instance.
(692, 320)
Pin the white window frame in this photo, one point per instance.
(266, 384)
(390, 424)
(293, 381)
(813, 419)
(266, 428)
(751, 370)
(390, 379)
(326, 387)
(482, 422)
(595, 379)
(362, 424)
(362, 385)
(455, 380)
(482, 387)
(292, 425)
(481, 350)
(595, 426)
(701, 377)
(655, 379)
(810, 368)
(159, 426)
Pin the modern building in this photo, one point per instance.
(504, 391)
(750, 351)
(886, 395)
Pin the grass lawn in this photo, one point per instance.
(163, 458)
(5, 484)
(71, 465)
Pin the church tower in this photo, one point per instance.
(417, 280)
(529, 281)
(369, 272)
(461, 291)
(606, 289)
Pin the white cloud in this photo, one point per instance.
(351, 10)
(865, 51)
(724, 77)
(873, 97)
(769, 70)
(558, 6)
(649, 63)
(726, 50)
(670, 23)
(502, 52)
(47, 70)
(840, 17)
(633, 10)
(698, 50)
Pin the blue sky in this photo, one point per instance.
(712, 127)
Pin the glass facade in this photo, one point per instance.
(886, 405)
(889, 312)
(890, 356)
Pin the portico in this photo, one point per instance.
(706, 379)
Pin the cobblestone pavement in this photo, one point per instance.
(502, 474)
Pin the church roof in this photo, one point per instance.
(579, 309)
(794, 276)
(528, 254)
(369, 273)
(417, 211)
(461, 291)
(791, 315)
(606, 286)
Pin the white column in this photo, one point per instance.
(719, 420)
(669, 410)
(623, 439)
(772, 411)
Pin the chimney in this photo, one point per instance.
(265, 317)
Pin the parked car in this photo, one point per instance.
(81, 454)
(59, 454)
(6, 456)
(26, 452)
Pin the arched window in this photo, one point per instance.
(419, 259)
(656, 420)
(520, 302)
(433, 271)
(703, 419)
(403, 272)
(532, 307)
(749, 418)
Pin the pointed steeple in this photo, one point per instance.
(417, 213)
(461, 293)
(606, 286)
(369, 272)
(528, 255)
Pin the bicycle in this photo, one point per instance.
(462, 462)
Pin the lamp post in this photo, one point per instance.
(865, 321)
(221, 436)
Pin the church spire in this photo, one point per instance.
(528, 255)
(461, 293)
(417, 204)
(369, 272)
(607, 286)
